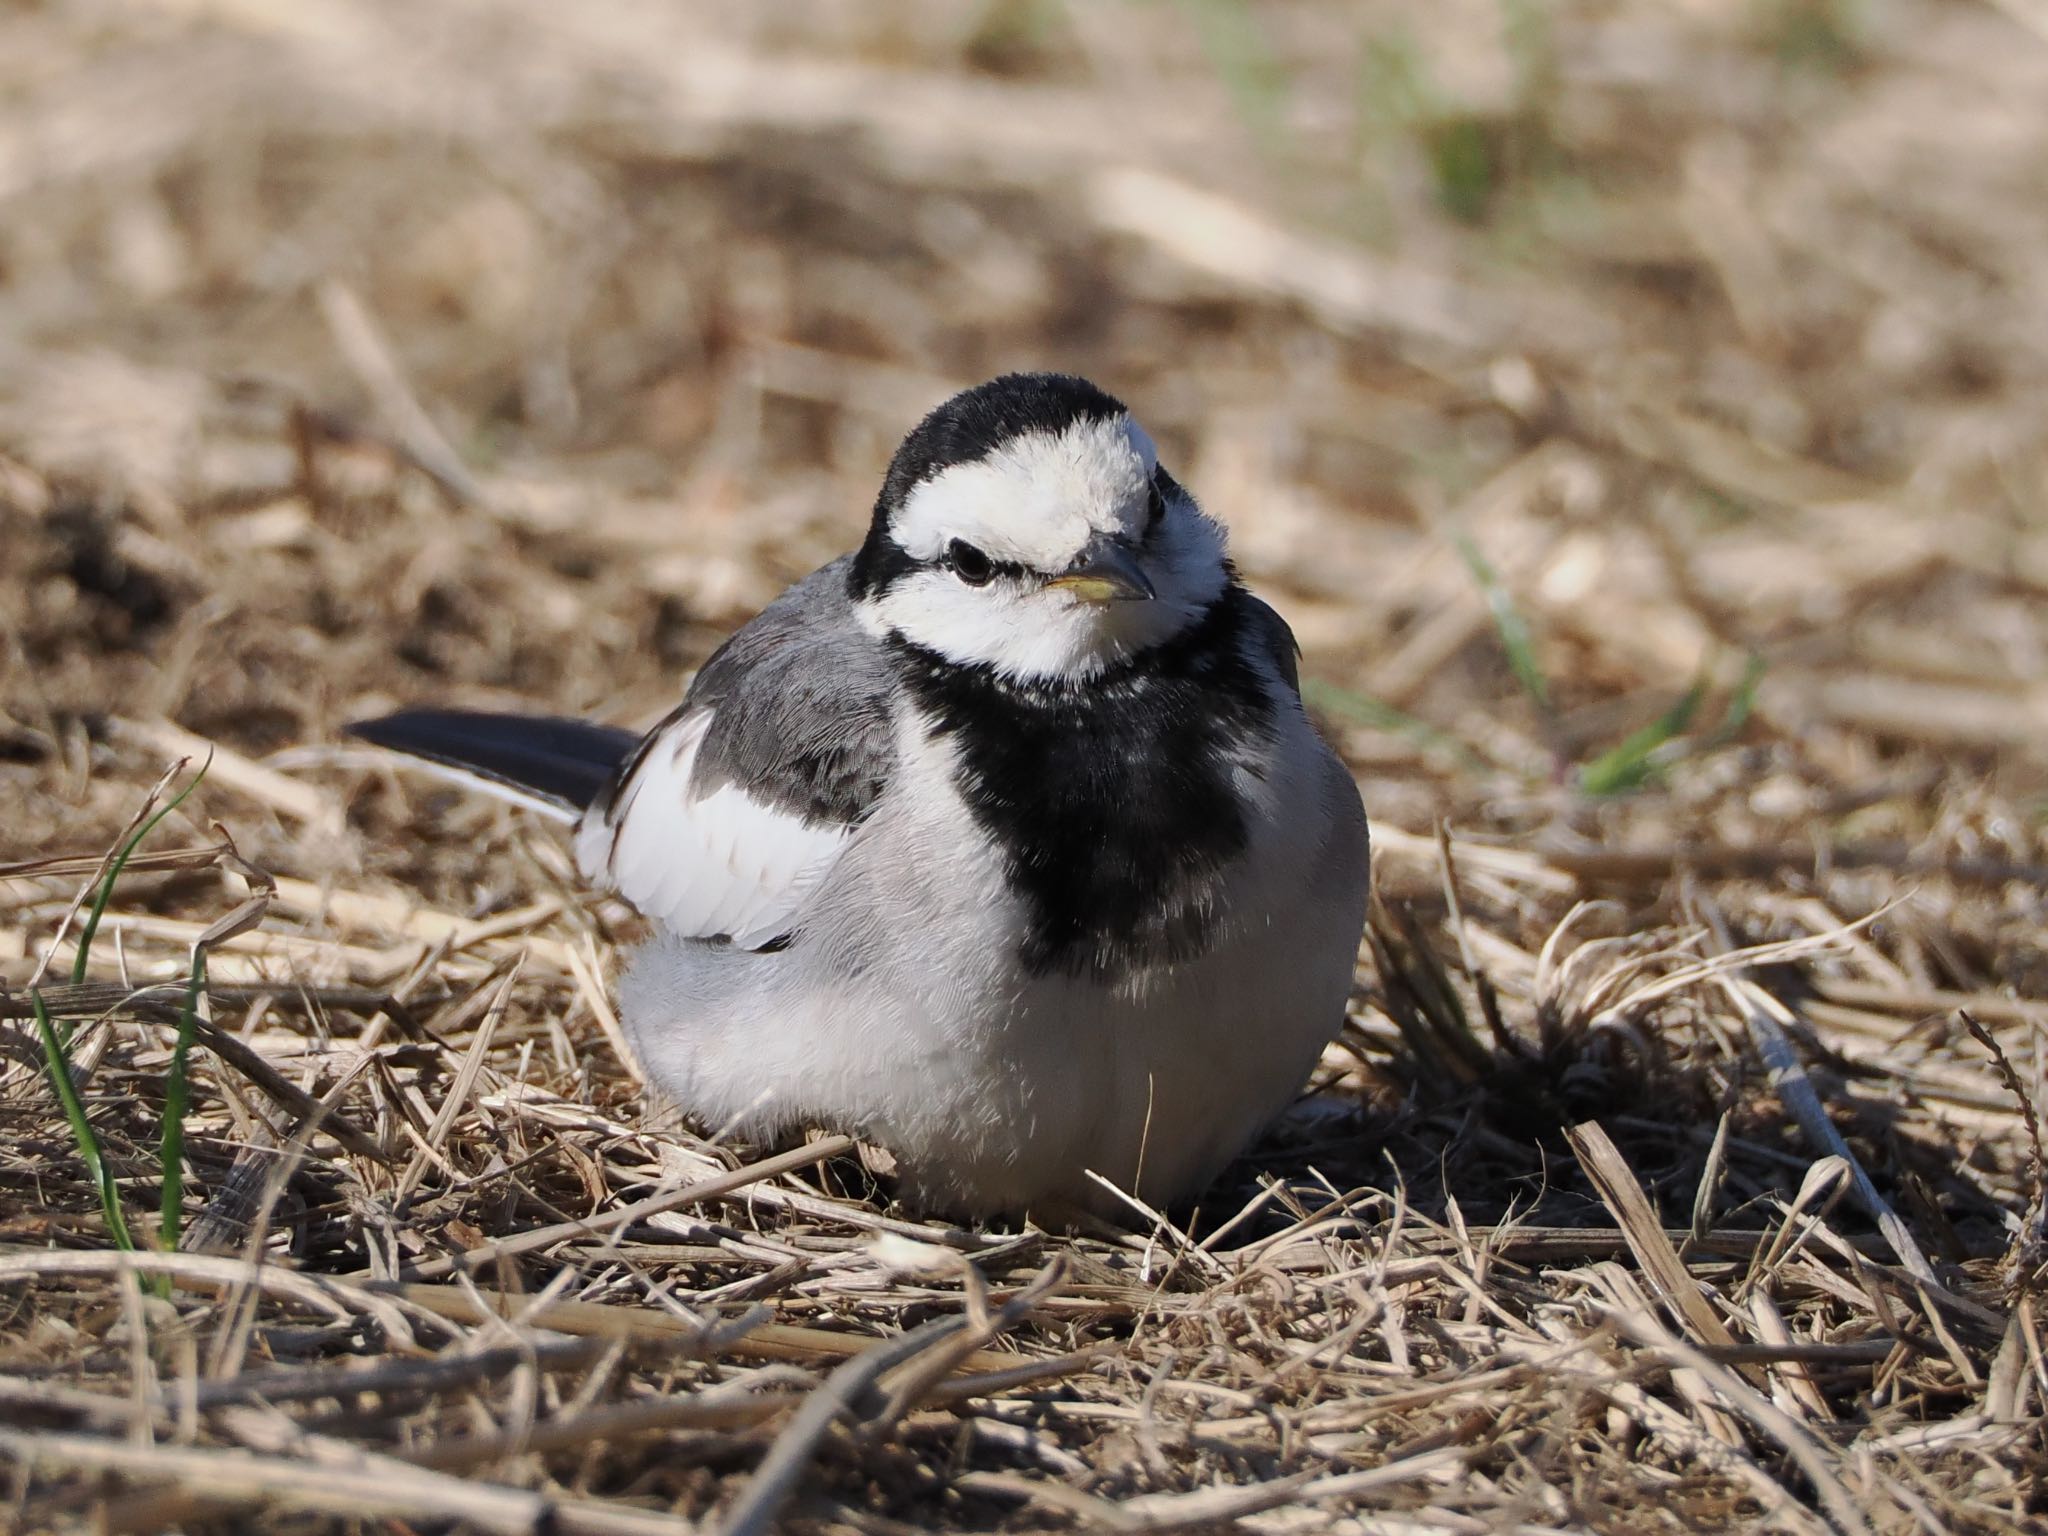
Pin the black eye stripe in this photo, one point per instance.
(974, 566)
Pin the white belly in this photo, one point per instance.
(904, 1014)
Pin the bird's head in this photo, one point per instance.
(1027, 525)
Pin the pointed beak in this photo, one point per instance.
(1107, 571)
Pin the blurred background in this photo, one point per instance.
(504, 350)
(1639, 409)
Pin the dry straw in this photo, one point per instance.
(1678, 1166)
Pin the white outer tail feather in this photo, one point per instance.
(484, 784)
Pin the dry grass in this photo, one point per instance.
(511, 353)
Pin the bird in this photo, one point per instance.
(1003, 843)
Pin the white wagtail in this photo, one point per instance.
(1003, 842)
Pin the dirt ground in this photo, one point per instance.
(1639, 409)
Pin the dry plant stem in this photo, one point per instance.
(288, 1096)
(157, 1001)
(1893, 998)
(231, 1342)
(806, 1156)
(629, 335)
(2036, 1223)
(1211, 1507)
(738, 1407)
(171, 1208)
(334, 1299)
(139, 862)
(754, 1513)
(1482, 984)
(363, 346)
(1789, 1076)
(391, 1490)
(1745, 1400)
(457, 1099)
(1623, 1195)
(162, 1509)
(146, 822)
(1766, 1018)
(1653, 866)
(290, 797)
(753, 1336)
(447, 1372)
(917, 1383)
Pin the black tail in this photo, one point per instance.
(554, 764)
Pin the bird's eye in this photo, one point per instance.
(969, 563)
(1156, 509)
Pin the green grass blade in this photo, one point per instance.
(1514, 633)
(1464, 167)
(1741, 704)
(1630, 764)
(105, 893)
(171, 1150)
(59, 1064)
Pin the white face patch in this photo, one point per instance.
(1038, 498)
(1034, 503)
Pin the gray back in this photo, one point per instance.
(802, 699)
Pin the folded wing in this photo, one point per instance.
(705, 861)
(733, 811)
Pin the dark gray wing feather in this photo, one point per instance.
(732, 812)
(800, 708)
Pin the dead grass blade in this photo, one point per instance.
(754, 1513)
(374, 1487)
(1623, 1195)
(717, 1187)
(1844, 1514)
(1655, 305)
